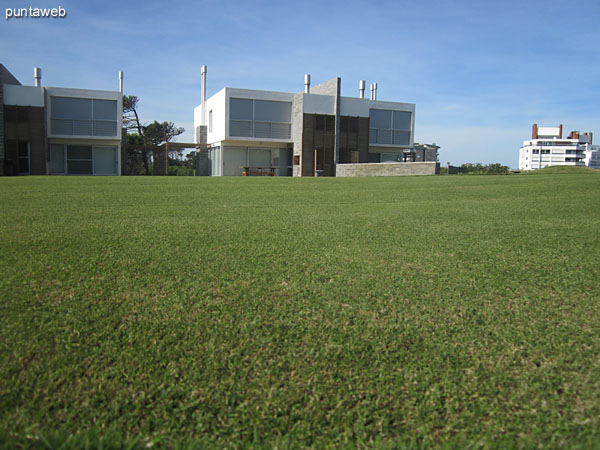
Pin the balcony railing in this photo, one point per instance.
(72, 127)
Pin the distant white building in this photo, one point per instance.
(547, 148)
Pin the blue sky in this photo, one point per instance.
(480, 73)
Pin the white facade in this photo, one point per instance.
(84, 131)
(82, 128)
(548, 148)
(256, 133)
(254, 128)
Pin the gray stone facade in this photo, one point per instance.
(202, 159)
(387, 169)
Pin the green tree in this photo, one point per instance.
(156, 133)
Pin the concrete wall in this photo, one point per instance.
(297, 120)
(216, 104)
(387, 169)
(318, 104)
(328, 88)
(24, 96)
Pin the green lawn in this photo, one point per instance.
(269, 312)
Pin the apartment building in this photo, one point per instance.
(58, 131)
(308, 133)
(547, 147)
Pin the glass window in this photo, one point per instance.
(390, 157)
(384, 136)
(61, 126)
(240, 109)
(79, 159)
(105, 128)
(79, 167)
(259, 118)
(105, 109)
(82, 127)
(57, 158)
(402, 120)
(374, 157)
(390, 127)
(79, 152)
(240, 128)
(259, 157)
(234, 160)
(401, 138)
(270, 111)
(381, 118)
(71, 108)
(105, 160)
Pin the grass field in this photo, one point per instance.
(261, 312)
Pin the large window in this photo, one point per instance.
(79, 159)
(83, 160)
(73, 116)
(237, 159)
(260, 118)
(390, 127)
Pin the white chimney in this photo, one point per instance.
(37, 74)
(374, 91)
(361, 88)
(121, 82)
(371, 86)
(307, 83)
(203, 110)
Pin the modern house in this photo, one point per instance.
(547, 147)
(58, 131)
(317, 132)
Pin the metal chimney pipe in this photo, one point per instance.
(37, 74)
(371, 96)
(374, 91)
(203, 92)
(121, 82)
(361, 88)
(307, 83)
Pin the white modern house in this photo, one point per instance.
(547, 147)
(58, 131)
(309, 133)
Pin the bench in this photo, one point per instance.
(248, 171)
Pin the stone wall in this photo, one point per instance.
(387, 169)
(202, 154)
(297, 119)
